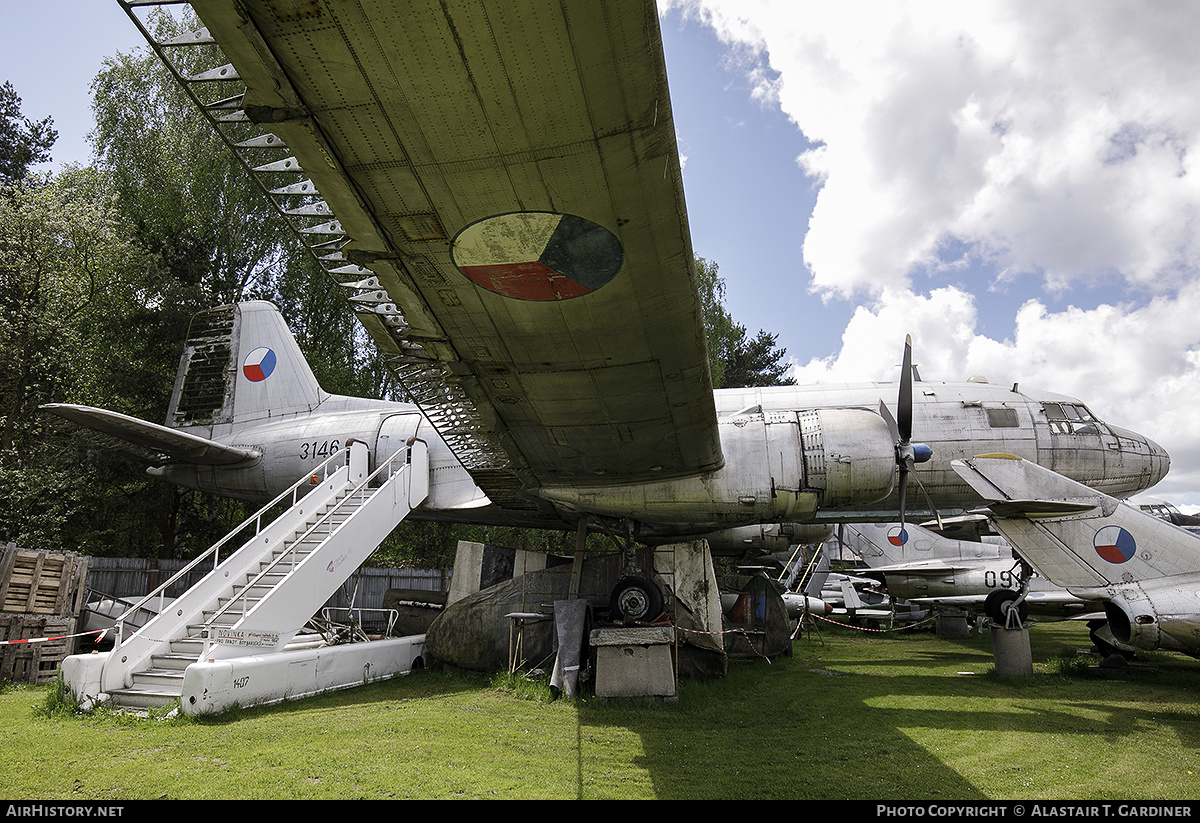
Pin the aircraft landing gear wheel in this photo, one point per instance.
(995, 606)
(635, 599)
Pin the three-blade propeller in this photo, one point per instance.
(908, 453)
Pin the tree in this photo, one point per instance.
(65, 265)
(755, 362)
(189, 200)
(735, 360)
(101, 271)
(68, 274)
(216, 237)
(23, 143)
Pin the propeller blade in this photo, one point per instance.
(904, 409)
(903, 492)
(886, 414)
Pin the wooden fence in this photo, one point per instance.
(134, 577)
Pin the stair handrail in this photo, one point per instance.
(350, 495)
(322, 471)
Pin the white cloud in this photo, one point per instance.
(1055, 137)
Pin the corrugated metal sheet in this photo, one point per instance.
(133, 577)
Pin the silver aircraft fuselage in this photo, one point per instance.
(792, 455)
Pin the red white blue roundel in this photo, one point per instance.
(537, 255)
(259, 364)
(1114, 544)
(897, 536)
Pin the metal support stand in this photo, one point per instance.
(516, 636)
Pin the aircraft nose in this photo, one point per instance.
(1153, 460)
(1163, 459)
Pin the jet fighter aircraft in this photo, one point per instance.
(920, 565)
(1143, 568)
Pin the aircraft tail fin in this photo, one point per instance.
(818, 574)
(850, 594)
(241, 364)
(1073, 535)
(881, 544)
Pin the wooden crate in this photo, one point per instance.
(34, 662)
(38, 582)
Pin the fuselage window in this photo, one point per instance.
(1003, 418)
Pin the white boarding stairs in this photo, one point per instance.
(257, 600)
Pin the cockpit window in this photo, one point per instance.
(1070, 418)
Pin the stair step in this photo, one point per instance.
(186, 646)
(164, 678)
(225, 621)
(143, 697)
(251, 594)
(176, 662)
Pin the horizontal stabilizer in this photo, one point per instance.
(969, 527)
(174, 444)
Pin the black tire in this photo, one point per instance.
(994, 606)
(635, 599)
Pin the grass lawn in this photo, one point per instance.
(853, 715)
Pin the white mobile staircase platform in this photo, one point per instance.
(234, 639)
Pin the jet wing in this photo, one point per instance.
(924, 567)
(506, 176)
(1041, 602)
(176, 445)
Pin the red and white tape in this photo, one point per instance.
(98, 632)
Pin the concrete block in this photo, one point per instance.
(634, 662)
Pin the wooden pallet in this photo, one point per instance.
(38, 582)
(35, 662)
(41, 596)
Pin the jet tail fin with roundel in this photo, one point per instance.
(1074, 536)
(241, 365)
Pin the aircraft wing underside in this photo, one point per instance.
(500, 193)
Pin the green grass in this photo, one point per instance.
(849, 715)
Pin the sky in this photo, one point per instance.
(1010, 183)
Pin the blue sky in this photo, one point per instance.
(1012, 183)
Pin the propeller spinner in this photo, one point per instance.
(908, 453)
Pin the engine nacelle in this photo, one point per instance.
(779, 467)
(1132, 621)
(849, 456)
(766, 537)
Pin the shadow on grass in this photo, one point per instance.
(424, 684)
(867, 718)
